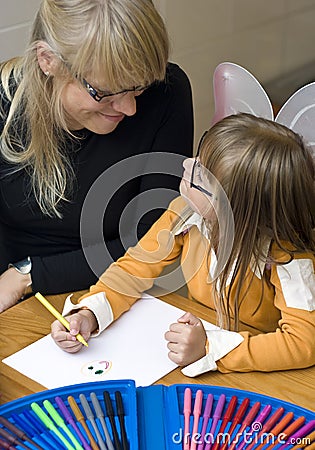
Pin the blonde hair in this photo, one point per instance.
(268, 176)
(121, 41)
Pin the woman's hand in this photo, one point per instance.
(12, 287)
(186, 340)
(83, 322)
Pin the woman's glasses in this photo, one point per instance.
(197, 170)
(97, 96)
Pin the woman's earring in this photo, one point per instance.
(46, 73)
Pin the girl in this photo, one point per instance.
(261, 174)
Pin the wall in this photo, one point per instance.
(271, 38)
(15, 19)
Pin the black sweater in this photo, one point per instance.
(70, 253)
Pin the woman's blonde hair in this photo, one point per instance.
(268, 176)
(123, 42)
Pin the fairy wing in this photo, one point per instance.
(298, 113)
(237, 90)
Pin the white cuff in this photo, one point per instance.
(221, 342)
(98, 304)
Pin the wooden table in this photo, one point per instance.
(29, 321)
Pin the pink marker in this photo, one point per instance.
(205, 418)
(197, 411)
(259, 421)
(187, 412)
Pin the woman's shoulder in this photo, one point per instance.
(176, 76)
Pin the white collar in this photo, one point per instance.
(197, 220)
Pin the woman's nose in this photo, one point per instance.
(125, 104)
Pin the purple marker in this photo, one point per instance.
(301, 432)
(205, 419)
(69, 419)
(259, 421)
(216, 416)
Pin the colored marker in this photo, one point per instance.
(111, 416)
(300, 433)
(187, 412)
(12, 439)
(100, 415)
(66, 413)
(226, 419)
(19, 433)
(6, 445)
(196, 414)
(121, 418)
(60, 423)
(249, 418)
(237, 420)
(50, 424)
(278, 428)
(216, 417)
(90, 416)
(80, 418)
(259, 421)
(58, 316)
(267, 426)
(307, 439)
(40, 429)
(205, 420)
(293, 427)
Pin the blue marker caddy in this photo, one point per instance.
(153, 415)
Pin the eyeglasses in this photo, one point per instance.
(197, 169)
(98, 97)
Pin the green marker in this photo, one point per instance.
(50, 424)
(60, 423)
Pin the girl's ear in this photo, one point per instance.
(47, 61)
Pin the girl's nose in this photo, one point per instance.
(188, 163)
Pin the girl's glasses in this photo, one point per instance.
(197, 169)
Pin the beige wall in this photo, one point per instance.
(270, 38)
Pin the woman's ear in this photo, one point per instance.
(47, 61)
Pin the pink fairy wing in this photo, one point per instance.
(237, 90)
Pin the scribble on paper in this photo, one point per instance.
(96, 369)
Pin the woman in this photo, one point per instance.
(94, 88)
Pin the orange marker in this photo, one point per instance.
(80, 418)
(278, 428)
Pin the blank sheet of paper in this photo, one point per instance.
(133, 347)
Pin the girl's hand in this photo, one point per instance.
(186, 340)
(82, 322)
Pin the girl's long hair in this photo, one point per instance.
(121, 41)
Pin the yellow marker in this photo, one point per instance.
(58, 316)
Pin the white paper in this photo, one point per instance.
(133, 347)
